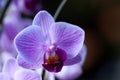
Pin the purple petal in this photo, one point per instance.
(10, 67)
(4, 77)
(25, 74)
(61, 54)
(44, 20)
(10, 29)
(29, 43)
(68, 37)
(80, 58)
(12, 24)
(28, 65)
(69, 72)
(6, 44)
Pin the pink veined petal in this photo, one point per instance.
(69, 72)
(26, 74)
(28, 43)
(10, 67)
(28, 65)
(80, 58)
(44, 20)
(67, 37)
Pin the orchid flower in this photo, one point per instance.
(29, 7)
(49, 44)
(12, 24)
(11, 71)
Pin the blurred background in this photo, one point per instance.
(101, 21)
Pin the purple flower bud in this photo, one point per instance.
(29, 7)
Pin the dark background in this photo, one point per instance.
(101, 21)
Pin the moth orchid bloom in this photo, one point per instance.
(12, 24)
(49, 43)
(12, 71)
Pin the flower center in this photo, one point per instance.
(54, 60)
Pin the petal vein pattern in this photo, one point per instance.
(68, 37)
(29, 43)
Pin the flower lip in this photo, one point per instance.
(53, 61)
(53, 67)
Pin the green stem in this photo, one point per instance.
(4, 10)
(59, 8)
(46, 74)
